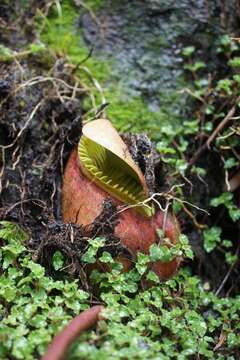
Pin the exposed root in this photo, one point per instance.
(168, 196)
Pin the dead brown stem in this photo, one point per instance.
(214, 134)
(71, 332)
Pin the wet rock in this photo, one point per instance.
(145, 39)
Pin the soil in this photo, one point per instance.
(40, 123)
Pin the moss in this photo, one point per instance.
(61, 35)
(94, 4)
(127, 113)
(134, 115)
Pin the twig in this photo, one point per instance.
(40, 79)
(4, 147)
(234, 182)
(88, 56)
(217, 292)
(94, 81)
(38, 202)
(23, 128)
(190, 92)
(196, 223)
(167, 196)
(219, 128)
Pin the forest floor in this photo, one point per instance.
(51, 82)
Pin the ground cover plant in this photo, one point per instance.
(50, 84)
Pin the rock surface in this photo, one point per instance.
(145, 39)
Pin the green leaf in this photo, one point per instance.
(141, 264)
(151, 276)
(188, 51)
(225, 85)
(94, 245)
(58, 260)
(106, 258)
(161, 253)
(235, 62)
(211, 238)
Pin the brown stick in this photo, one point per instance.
(221, 126)
(58, 347)
(234, 182)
